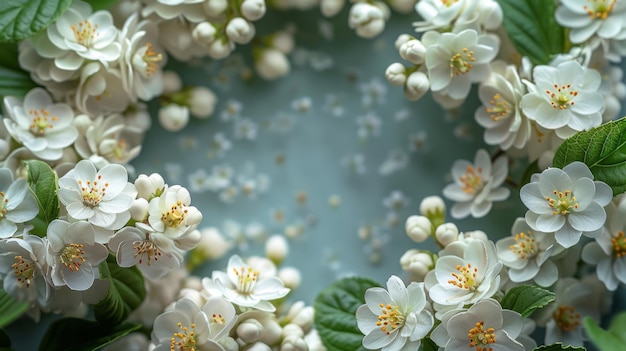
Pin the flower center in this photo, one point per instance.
(525, 246)
(599, 8)
(41, 121)
(175, 216)
(566, 318)
(91, 192)
(619, 244)
(3, 204)
(246, 279)
(390, 318)
(471, 179)
(85, 33)
(562, 202)
(479, 337)
(561, 96)
(448, 3)
(499, 109)
(461, 62)
(146, 249)
(24, 270)
(147, 60)
(465, 278)
(72, 256)
(185, 339)
(216, 318)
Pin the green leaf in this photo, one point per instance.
(602, 149)
(531, 26)
(531, 169)
(524, 299)
(613, 339)
(101, 4)
(125, 294)
(20, 19)
(43, 183)
(75, 334)
(335, 313)
(428, 345)
(5, 342)
(559, 347)
(10, 309)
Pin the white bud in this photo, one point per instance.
(303, 317)
(292, 329)
(193, 295)
(432, 205)
(258, 346)
(204, 33)
(219, 49)
(215, 8)
(330, 8)
(228, 343)
(272, 331)
(253, 9)
(82, 123)
(271, 64)
(171, 82)
(239, 30)
(446, 233)
(188, 241)
(202, 102)
(396, 74)
(139, 209)
(173, 117)
(276, 248)
(417, 84)
(368, 20)
(416, 263)
(418, 228)
(212, 244)
(249, 330)
(413, 51)
(290, 276)
(476, 234)
(402, 38)
(403, 6)
(149, 186)
(293, 343)
(283, 41)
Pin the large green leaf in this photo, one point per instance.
(613, 339)
(125, 294)
(335, 313)
(14, 82)
(559, 347)
(10, 309)
(603, 149)
(20, 19)
(531, 26)
(75, 334)
(524, 299)
(43, 183)
(101, 4)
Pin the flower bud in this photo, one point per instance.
(432, 206)
(219, 49)
(446, 233)
(301, 315)
(139, 209)
(271, 64)
(418, 228)
(193, 295)
(229, 344)
(204, 33)
(149, 186)
(368, 20)
(476, 234)
(239, 30)
(173, 117)
(215, 8)
(417, 263)
(283, 41)
(253, 9)
(292, 329)
(396, 74)
(403, 6)
(417, 84)
(171, 82)
(82, 123)
(202, 102)
(188, 240)
(272, 331)
(276, 248)
(413, 51)
(258, 346)
(249, 330)
(290, 276)
(293, 343)
(402, 38)
(330, 8)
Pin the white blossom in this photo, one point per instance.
(171, 212)
(23, 268)
(17, 203)
(604, 18)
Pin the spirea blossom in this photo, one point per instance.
(17, 203)
(23, 268)
(566, 202)
(604, 18)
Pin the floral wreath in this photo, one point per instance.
(78, 229)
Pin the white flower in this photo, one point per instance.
(186, 326)
(608, 251)
(102, 197)
(457, 14)
(456, 60)
(484, 326)
(153, 255)
(586, 18)
(477, 185)
(501, 116)
(526, 254)
(17, 203)
(368, 19)
(171, 213)
(271, 63)
(244, 286)
(437, 14)
(394, 319)
(176, 37)
(245, 128)
(74, 254)
(564, 98)
(467, 279)
(368, 125)
(566, 202)
(101, 90)
(23, 268)
(42, 126)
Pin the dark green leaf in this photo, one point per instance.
(531, 26)
(125, 294)
(524, 299)
(613, 339)
(428, 345)
(335, 313)
(559, 347)
(43, 183)
(14, 82)
(74, 334)
(5, 342)
(101, 4)
(528, 172)
(20, 19)
(603, 149)
(10, 309)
